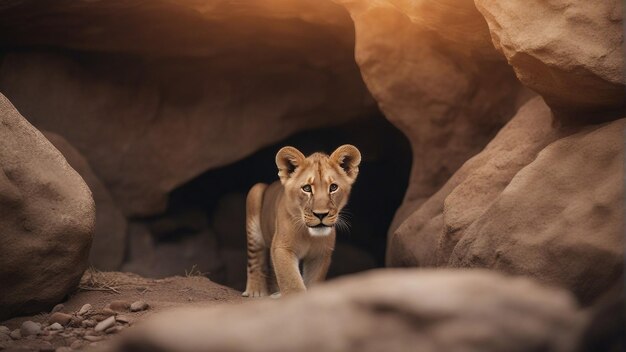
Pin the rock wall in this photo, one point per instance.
(570, 52)
(545, 197)
(432, 69)
(153, 93)
(46, 222)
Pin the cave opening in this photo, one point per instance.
(202, 232)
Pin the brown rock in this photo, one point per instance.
(435, 75)
(59, 307)
(442, 310)
(43, 253)
(105, 324)
(86, 308)
(109, 242)
(424, 239)
(88, 323)
(92, 338)
(16, 334)
(139, 306)
(61, 318)
(560, 219)
(570, 52)
(123, 319)
(164, 100)
(119, 305)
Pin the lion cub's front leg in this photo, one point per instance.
(287, 272)
(315, 269)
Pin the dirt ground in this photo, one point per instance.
(100, 289)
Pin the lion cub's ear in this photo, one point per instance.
(287, 160)
(348, 158)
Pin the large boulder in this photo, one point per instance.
(47, 219)
(109, 242)
(569, 51)
(390, 310)
(154, 93)
(560, 219)
(539, 200)
(432, 69)
(428, 235)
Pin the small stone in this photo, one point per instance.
(114, 329)
(105, 324)
(60, 318)
(4, 337)
(76, 321)
(123, 319)
(63, 349)
(4, 329)
(16, 334)
(85, 309)
(92, 338)
(76, 345)
(108, 312)
(59, 307)
(94, 344)
(31, 337)
(66, 334)
(88, 323)
(55, 326)
(139, 306)
(30, 328)
(119, 305)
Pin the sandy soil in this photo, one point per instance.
(100, 289)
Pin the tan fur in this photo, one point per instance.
(281, 222)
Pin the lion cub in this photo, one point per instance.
(294, 220)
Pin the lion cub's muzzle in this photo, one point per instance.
(321, 227)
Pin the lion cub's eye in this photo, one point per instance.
(307, 188)
(333, 187)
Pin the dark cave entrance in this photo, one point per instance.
(209, 211)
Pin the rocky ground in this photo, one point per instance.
(106, 304)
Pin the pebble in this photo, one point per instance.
(119, 305)
(85, 309)
(55, 326)
(105, 324)
(63, 349)
(123, 319)
(4, 329)
(47, 337)
(4, 337)
(139, 306)
(114, 329)
(92, 338)
(88, 323)
(59, 307)
(16, 334)
(76, 345)
(30, 328)
(108, 312)
(60, 318)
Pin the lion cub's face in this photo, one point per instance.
(317, 187)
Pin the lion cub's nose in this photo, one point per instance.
(320, 216)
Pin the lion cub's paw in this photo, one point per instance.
(255, 291)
